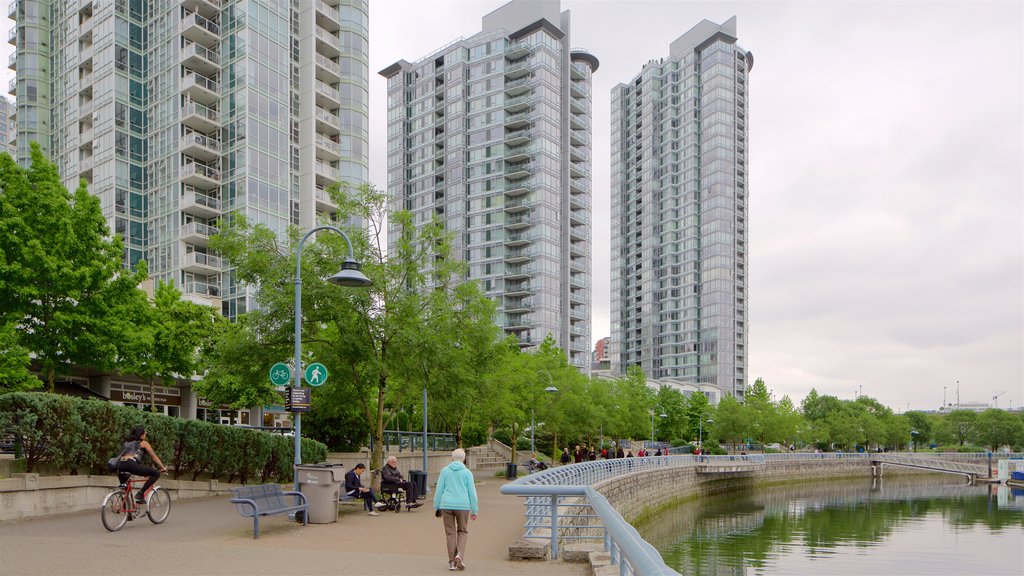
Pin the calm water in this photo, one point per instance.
(927, 525)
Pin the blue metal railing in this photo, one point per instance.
(562, 505)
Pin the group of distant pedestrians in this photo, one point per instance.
(584, 453)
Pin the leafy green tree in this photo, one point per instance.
(697, 408)
(673, 402)
(960, 425)
(995, 428)
(920, 422)
(732, 421)
(14, 361)
(63, 269)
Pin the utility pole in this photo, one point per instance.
(958, 394)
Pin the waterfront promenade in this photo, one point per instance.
(207, 536)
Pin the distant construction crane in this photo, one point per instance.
(995, 399)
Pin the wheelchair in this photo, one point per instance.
(393, 497)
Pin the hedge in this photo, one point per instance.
(74, 434)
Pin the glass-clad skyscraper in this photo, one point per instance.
(491, 136)
(181, 113)
(680, 213)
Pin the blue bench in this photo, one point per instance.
(267, 500)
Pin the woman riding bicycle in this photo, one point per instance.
(129, 461)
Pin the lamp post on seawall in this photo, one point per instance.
(913, 440)
(350, 275)
(426, 484)
(533, 416)
(663, 415)
(700, 430)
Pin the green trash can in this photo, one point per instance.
(511, 471)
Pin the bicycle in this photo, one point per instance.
(119, 505)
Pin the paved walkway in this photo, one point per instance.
(207, 536)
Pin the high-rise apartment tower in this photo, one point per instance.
(679, 213)
(8, 131)
(179, 113)
(491, 136)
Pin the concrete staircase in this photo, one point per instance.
(485, 460)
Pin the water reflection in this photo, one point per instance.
(901, 524)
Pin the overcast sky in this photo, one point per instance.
(886, 185)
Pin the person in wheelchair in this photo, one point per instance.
(391, 480)
(535, 464)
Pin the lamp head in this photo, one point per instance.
(551, 389)
(710, 421)
(350, 275)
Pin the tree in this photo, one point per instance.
(995, 428)
(696, 407)
(732, 422)
(920, 422)
(61, 271)
(961, 425)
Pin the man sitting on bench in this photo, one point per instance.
(390, 477)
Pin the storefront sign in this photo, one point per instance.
(133, 397)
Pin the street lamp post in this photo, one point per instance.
(700, 430)
(662, 415)
(350, 275)
(533, 409)
(913, 440)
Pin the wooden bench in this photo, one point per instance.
(267, 500)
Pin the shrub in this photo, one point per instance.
(70, 433)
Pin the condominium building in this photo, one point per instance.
(490, 135)
(679, 213)
(180, 113)
(8, 131)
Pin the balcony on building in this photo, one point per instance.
(518, 222)
(327, 149)
(518, 187)
(199, 117)
(327, 17)
(201, 263)
(12, 86)
(12, 10)
(518, 137)
(518, 104)
(201, 289)
(200, 147)
(518, 170)
(579, 264)
(518, 255)
(328, 43)
(324, 202)
(577, 246)
(326, 96)
(327, 122)
(200, 175)
(198, 202)
(517, 51)
(515, 239)
(210, 9)
(519, 153)
(201, 59)
(12, 61)
(579, 280)
(577, 297)
(517, 70)
(576, 120)
(578, 90)
(577, 169)
(578, 137)
(518, 305)
(518, 120)
(197, 233)
(519, 322)
(579, 217)
(12, 36)
(577, 154)
(517, 205)
(200, 88)
(200, 29)
(326, 174)
(517, 87)
(518, 289)
(578, 185)
(327, 70)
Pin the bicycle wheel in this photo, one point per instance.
(159, 505)
(114, 511)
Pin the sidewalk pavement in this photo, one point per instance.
(208, 537)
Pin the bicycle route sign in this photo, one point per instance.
(316, 374)
(280, 374)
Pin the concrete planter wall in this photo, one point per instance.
(29, 495)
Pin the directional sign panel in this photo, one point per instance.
(280, 374)
(316, 374)
(297, 399)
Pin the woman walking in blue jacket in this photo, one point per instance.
(455, 501)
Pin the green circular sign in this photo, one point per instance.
(280, 374)
(316, 374)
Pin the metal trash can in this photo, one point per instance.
(321, 483)
(511, 471)
(419, 478)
